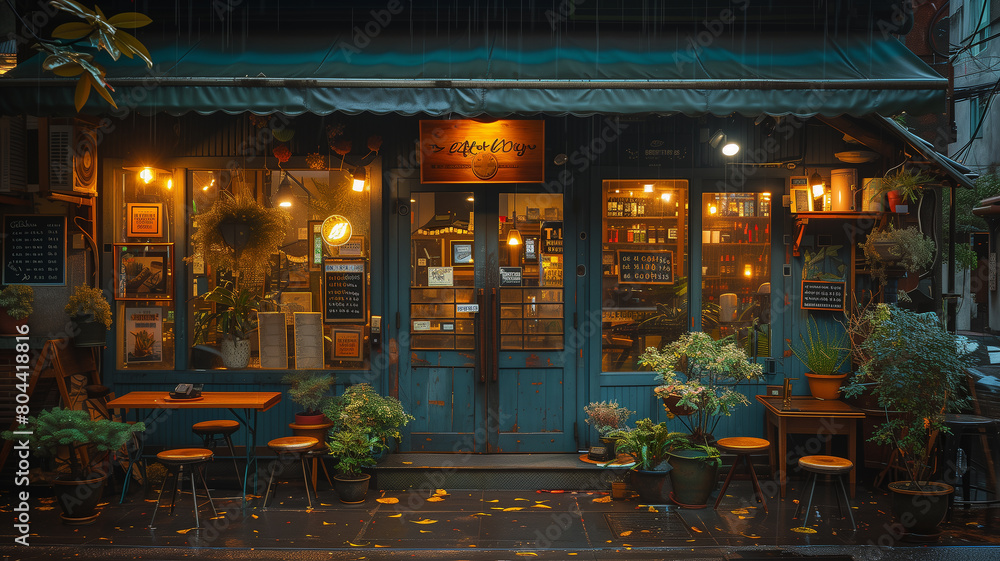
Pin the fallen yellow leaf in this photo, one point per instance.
(527, 554)
(481, 514)
(407, 463)
(651, 509)
(424, 521)
(602, 500)
(751, 536)
(626, 533)
(510, 508)
(493, 501)
(441, 492)
(520, 499)
(397, 515)
(185, 531)
(387, 500)
(803, 530)
(354, 544)
(540, 506)
(425, 531)
(741, 511)
(435, 499)
(698, 530)
(496, 507)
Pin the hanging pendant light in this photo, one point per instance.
(514, 236)
(284, 195)
(360, 176)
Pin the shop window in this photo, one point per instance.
(313, 291)
(143, 274)
(644, 269)
(736, 268)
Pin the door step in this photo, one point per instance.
(495, 471)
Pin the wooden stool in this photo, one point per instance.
(293, 448)
(826, 465)
(211, 432)
(180, 458)
(743, 446)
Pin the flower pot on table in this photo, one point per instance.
(825, 386)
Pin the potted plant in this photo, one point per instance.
(361, 406)
(81, 445)
(907, 248)
(90, 311)
(352, 447)
(900, 188)
(648, 443)
(607, 417)
(15, 307)
(239, 234)
(822, 352)
(309, 390)
(204, 356)
(694, 470)
(914, 369)
(698, 374)
(236, 318)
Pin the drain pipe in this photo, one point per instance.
(952, 296)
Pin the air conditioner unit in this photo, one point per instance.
(13, 154)
(72, 161)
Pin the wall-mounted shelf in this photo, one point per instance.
(803, 219)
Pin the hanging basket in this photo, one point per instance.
(235, 234)
(671, 404)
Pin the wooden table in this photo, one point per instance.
(816, 417)
(243, 405)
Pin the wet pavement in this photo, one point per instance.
(484, 524)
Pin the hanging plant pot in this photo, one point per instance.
(236, 234)
(680, 410)
(90, 332)
(235, 353)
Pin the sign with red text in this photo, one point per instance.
(466, 151)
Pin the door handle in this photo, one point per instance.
(494, 325)
(481, 335)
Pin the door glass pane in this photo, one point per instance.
(736, 268)
(644, 268)
(530, 256)
(442, 257)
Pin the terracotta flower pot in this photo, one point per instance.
(895, 199)
(671, 403)
(825, 386)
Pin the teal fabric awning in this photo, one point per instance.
(497, 75)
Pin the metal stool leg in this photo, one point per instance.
(194, 499)
(809, 503)
(847, 501)
(302, 458)
(178, 478)
(267, 493)
(756, 484)
(158, 497)
(232, 452)
(208, 493)
(729, 477)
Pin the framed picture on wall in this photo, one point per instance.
(461, 253)
(143, 271)
(802, 200)
(145, 220)
(316, 246)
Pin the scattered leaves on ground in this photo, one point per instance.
(387, 500)
(803, 530)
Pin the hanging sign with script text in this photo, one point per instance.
(465, 151)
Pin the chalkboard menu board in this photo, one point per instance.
(344, 291)
(34, 249)
(645, 267)
(823, 295)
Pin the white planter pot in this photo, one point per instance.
(235, 353)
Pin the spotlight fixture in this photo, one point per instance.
(816, 181)
(146, 175)
(284, 195)
(514, 236)
(360, 177)
(730, 149)
(716, 139)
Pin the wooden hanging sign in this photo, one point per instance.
(467, 151)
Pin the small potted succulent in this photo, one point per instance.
(606, 417)
(15, 307)
(822, 352)
(91, 313)
(900, 188)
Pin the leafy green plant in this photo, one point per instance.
(309, 390)
(823, 351)
(17, 299)
(238, 314)
(913, 366)
(352, 449)
(708, 454)
(89, 300)
(703, 373)
(647, 442)
(907, 247)
(361, 406)
(56, 428)
(966, 257)
(606, 416)
(909, 185)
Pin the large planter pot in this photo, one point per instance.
(307, 419)
(653, 486)
(825, 386)
(79, 498)
(693, 479)
(671, 404)
(350, 489)
(90, 332)
(235, 353)
(316, 430)
(920, 510)
(9, 325)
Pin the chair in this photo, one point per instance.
(180, 458)
(292, 448)
(962, 427)
(826, 465)
(743, 446)
(211, 432)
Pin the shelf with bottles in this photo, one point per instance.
(642, 206)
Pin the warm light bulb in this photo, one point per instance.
(514, 237)
(285, 204)
(471, 199)
(146, 175)
(358, 185)
(731, 149)
(818, 190)
(747, 270)
(665, 197)
(170, 184)
(712, 209)
(648, 188)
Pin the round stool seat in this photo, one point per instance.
(216, 427)
(184, 455)
(967, 421)
(743, 444)
(826, 464)
(293, 443)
